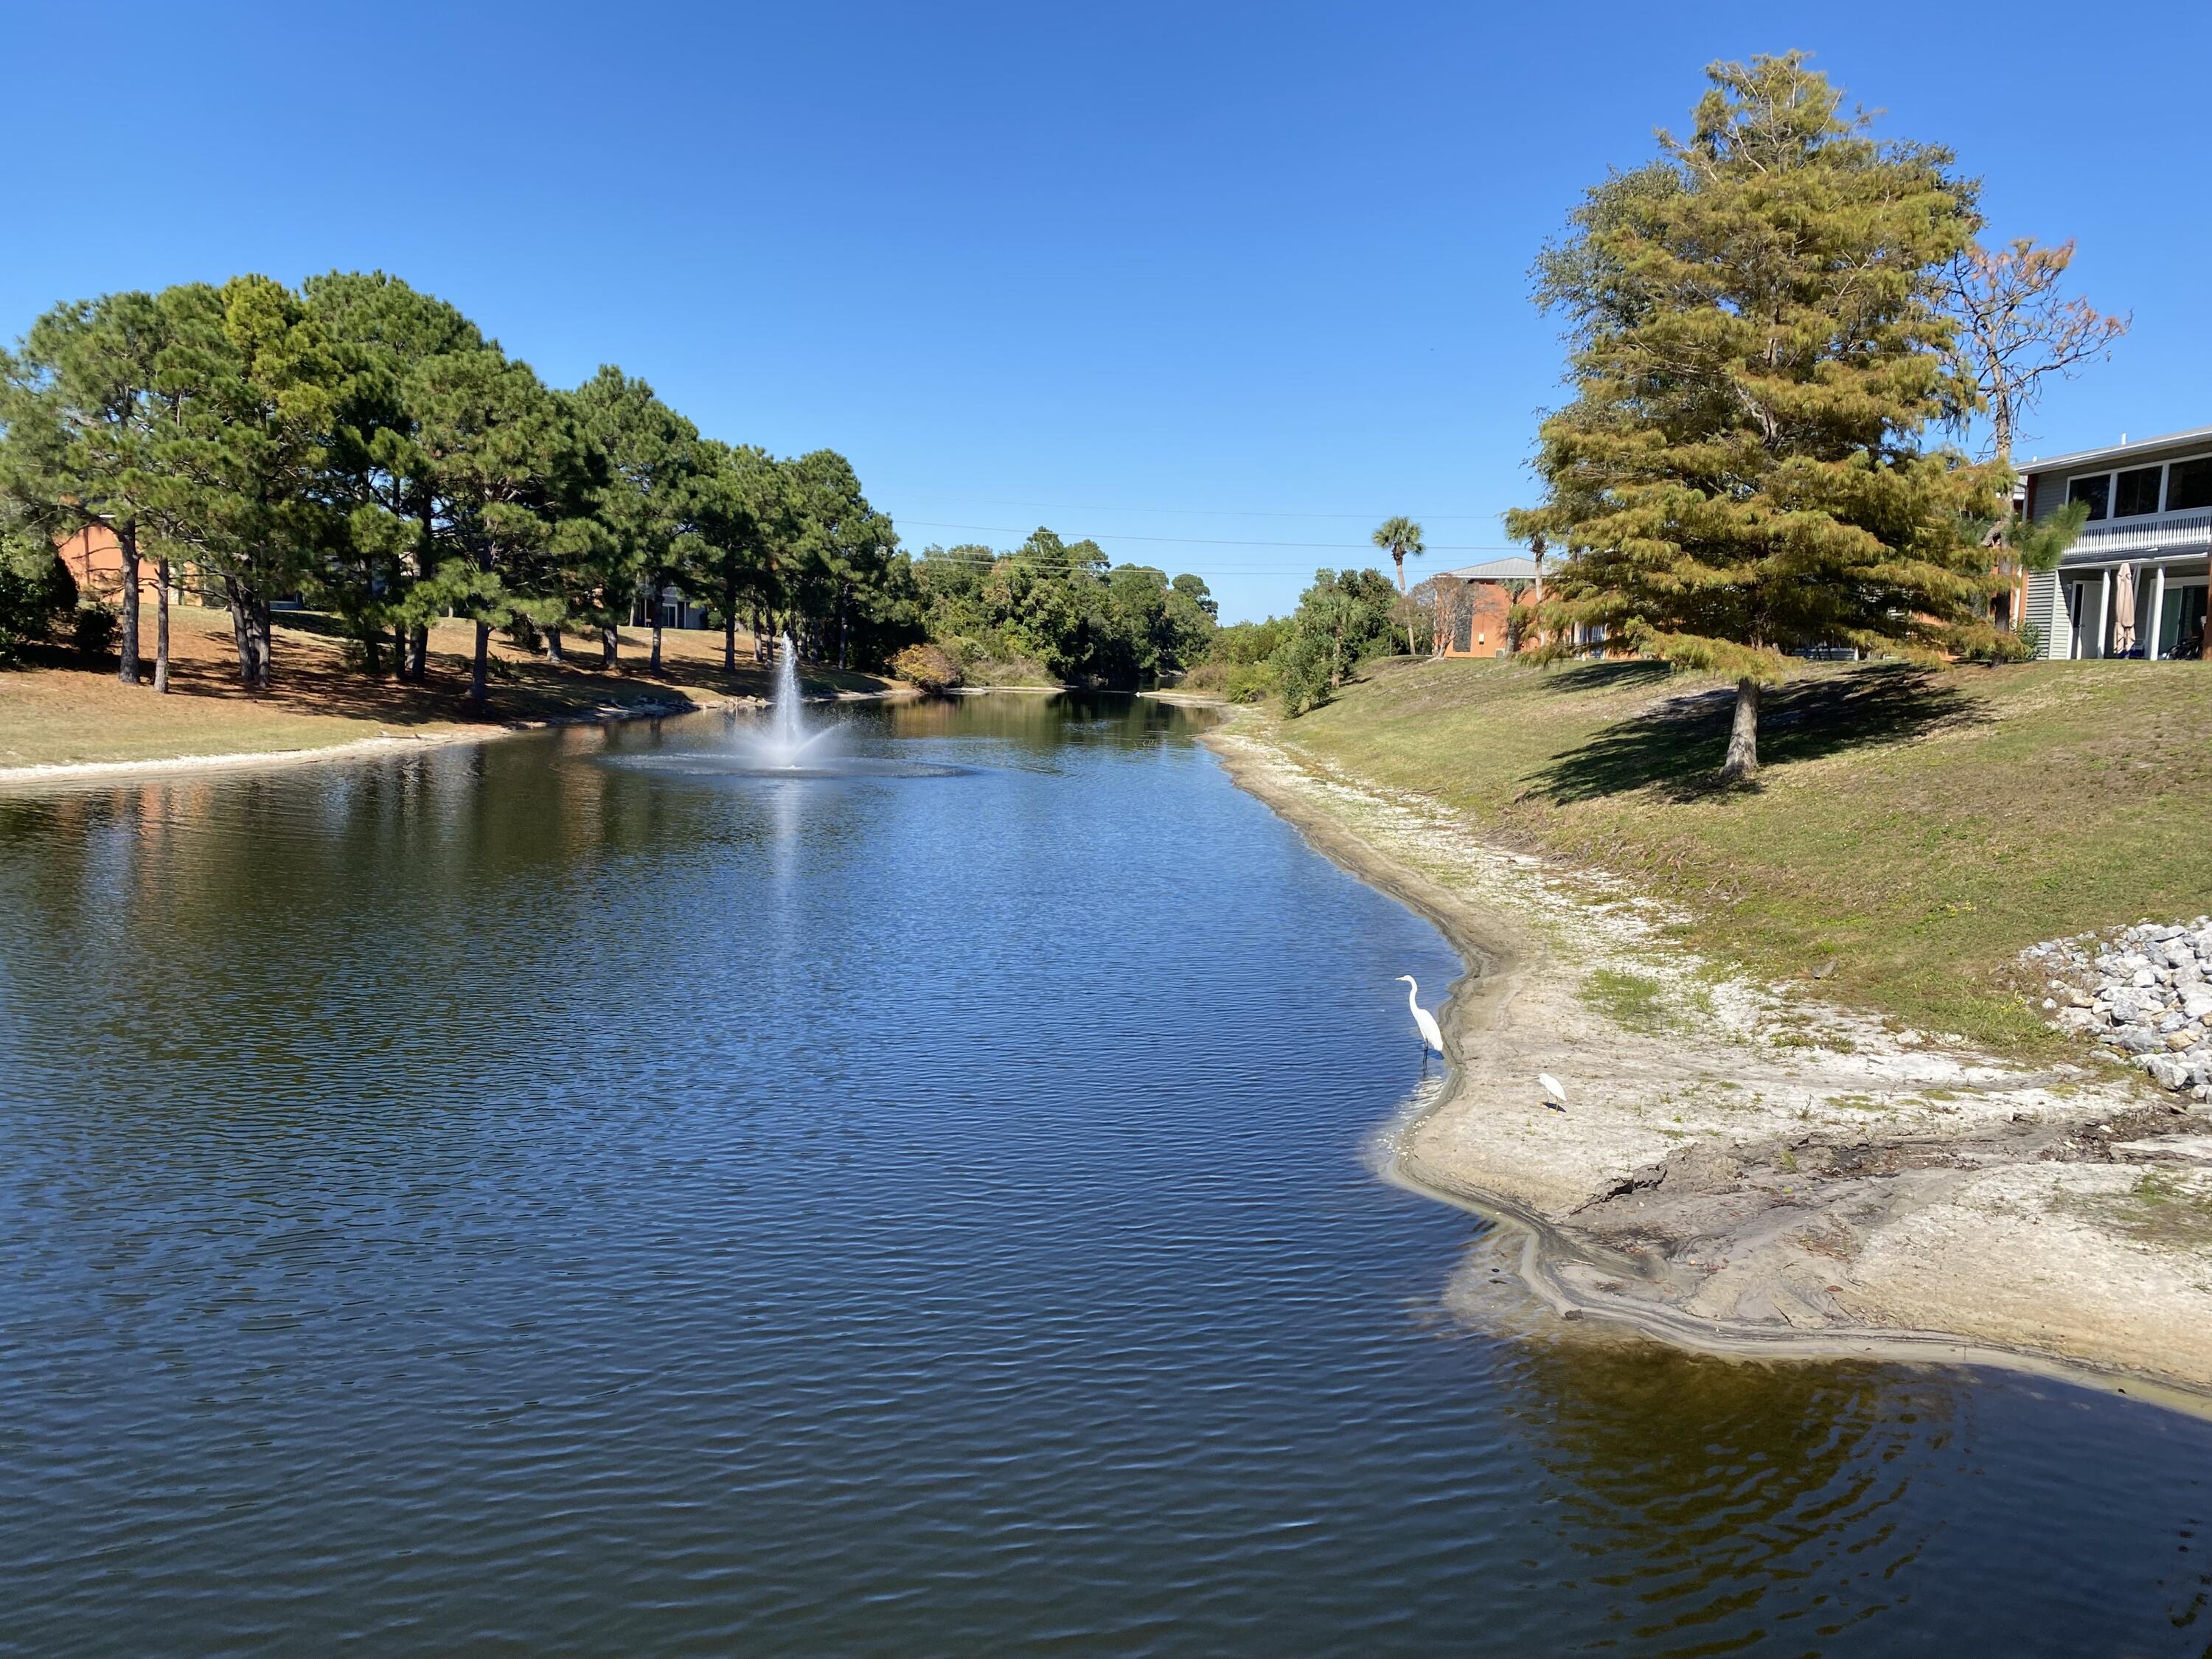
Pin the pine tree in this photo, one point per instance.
(246, 393)
(399, 530)
(1757, 345)
(653, 459)
(517, 479)
(76, 402)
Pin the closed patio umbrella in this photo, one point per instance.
(2124, 611)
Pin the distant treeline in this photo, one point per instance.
(367, 447)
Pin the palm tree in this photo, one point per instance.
(1400, 536)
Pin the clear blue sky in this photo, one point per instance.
(1223, 276)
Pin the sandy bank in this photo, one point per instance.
(1743, 1169)
(20, 777)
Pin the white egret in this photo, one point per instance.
(1431, 1033)
(1557, 1102)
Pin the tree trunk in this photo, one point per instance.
(730, 626)
(126, 537)
(161, 625)
(1742, 764)
(1399, 559)
(656, 625)
(1536, 550)
(554, 652)
(844, 625)
(249, 627)
(479, 667)
(261, 637)
(399, 650)
(610, 646)
(419, 652)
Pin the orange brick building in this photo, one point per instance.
(94, 560)
(1472, 603)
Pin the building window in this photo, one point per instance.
(2097, 491)
(2137, 493)
(2191, 484)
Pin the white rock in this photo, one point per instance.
(2169, 1071)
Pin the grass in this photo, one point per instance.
(1918, 827)
(57, 712)
(1630, 999)
(2161, 1209)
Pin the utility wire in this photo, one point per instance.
(1223, 541)
(1204, 511)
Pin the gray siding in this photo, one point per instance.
(2044, 610)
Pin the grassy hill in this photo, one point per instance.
(1917, 827)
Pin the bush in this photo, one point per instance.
(92, 628)
(1302, 663)
(1232, 682)
(932, 667)
(36, 596)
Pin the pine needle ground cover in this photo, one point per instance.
(62, 714)
(1916, 828)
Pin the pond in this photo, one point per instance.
(518, 1198)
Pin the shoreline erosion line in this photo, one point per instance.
(1574, 1274)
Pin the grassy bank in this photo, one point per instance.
(1916, 828)
(56, 712)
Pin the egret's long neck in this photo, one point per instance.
(1412, 990)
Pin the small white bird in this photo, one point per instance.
(1557, 1102)
(1431, 1033)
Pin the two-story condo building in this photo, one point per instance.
(2148, 534)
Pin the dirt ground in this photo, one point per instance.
(1743, 1169)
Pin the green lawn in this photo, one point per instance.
(1917, 827)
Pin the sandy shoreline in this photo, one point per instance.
(389, 744)
(1744, 1172)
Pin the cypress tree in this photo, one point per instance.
(1757, 344)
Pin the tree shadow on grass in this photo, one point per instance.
(1675, 746)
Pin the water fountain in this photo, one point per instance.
(784, 745)
(781, 746)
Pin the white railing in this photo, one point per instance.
(2183, 537)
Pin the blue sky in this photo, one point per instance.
(1220, 285)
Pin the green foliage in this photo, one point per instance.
(365, 445)
(2039, 544)
(1060, 604)
(1341, 621)
(1756, 346)
(38, 598)
(92, 628)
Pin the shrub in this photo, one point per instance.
(932, 667)
(93, 627)
(36, 596)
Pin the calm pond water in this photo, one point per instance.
(507, 1199)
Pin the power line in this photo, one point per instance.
(1203, 512)
(1223, 541)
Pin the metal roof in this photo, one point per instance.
(2115, 451)
(1495, 570)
